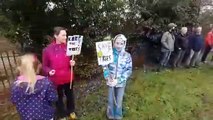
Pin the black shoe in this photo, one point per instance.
(187, 67)
(196, 66)
(161, 68)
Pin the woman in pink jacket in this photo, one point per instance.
(57, 65)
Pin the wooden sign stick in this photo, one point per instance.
(71, 73)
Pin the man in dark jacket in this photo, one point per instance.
(196, 43)
(181, 44)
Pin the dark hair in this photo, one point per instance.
(58, 29)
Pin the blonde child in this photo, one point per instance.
(31, 93)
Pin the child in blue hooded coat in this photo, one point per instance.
(117, 74)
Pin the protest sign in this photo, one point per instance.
(74, 44)
(104, 52)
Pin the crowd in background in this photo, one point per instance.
(177, 47)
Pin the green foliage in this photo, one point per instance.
(94, 18)
(87, 70)
(29, 22)
(7, 28)
(87, 67)
(158, 13)
(206, 19)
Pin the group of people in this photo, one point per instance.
(36, 96)
(184, 48)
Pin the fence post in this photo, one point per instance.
(11, 67)
(14, 57)
(6, 73)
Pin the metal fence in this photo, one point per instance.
(8, 63)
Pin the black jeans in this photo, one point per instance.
(65, 89)
(178, 58)
(206, 52)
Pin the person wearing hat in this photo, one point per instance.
(116, 75)
(167, 42)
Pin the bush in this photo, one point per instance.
(86, 65)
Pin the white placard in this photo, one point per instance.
(104, 52)
(74, 44)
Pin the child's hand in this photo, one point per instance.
(112, 82)
(52, 72)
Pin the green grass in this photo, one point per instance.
(183, 94)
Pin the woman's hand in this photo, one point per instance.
(52, 72)
(72, 62)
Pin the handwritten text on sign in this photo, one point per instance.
(74, 45)
(104, 52)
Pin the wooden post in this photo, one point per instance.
(11, 67)
(6, 73)
(2, 78)
(71, 73)
(14, 57)
(2, 58)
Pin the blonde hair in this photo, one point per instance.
(121, 37)
(28, 66)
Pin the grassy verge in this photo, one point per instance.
(183, 94)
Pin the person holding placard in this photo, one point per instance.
(56, 65)
(117, 74)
